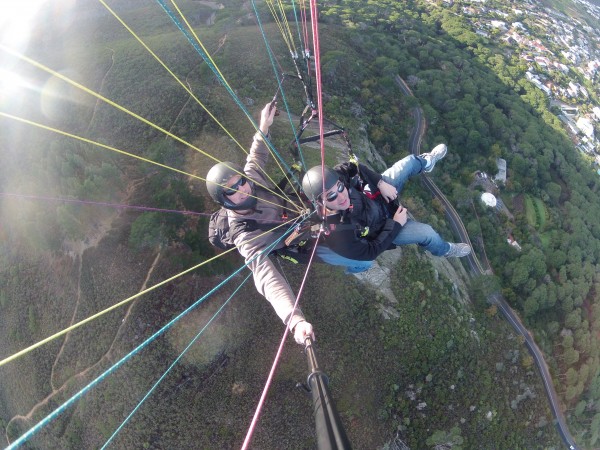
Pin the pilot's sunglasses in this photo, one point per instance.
(331, 196)
(233, 189)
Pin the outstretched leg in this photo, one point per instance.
(399, 173)
(424, 235)
(411, 165)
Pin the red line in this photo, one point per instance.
(317, 51)
(277, 357)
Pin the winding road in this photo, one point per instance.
(477, 269)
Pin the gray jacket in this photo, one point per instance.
(267, 279)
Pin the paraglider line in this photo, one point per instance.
(54, 414)
(174, 363)
(277, 356)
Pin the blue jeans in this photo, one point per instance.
(412, 232)
(330, 257)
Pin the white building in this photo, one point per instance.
(569, 110)
(501, 175)
(586, 127)
(499, 24)
(489, 199)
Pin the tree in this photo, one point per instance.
(571, 356)
(595, 427)
(147, 231)
(530, 307)
(446, 439)
(571, 377)
(573, 319)
(554, 192)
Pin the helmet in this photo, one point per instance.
(312, 183)
(218, 176)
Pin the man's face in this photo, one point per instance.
(337, 198)
(237, 189)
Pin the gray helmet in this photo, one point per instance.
(218, 176)
(312, 183)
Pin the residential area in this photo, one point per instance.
(562, 55)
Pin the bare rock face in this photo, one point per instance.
(378, 278)
(453, 270)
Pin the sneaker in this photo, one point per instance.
(458, 250)
(438, 152)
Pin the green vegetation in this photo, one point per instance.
(536, 212)
(530, 212)
(474, 99)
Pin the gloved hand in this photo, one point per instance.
(388, 191)
(266, 117)
(302, 330)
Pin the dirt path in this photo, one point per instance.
(189, 86)
(112, 63)
(76, 250)
(108, 353)
(66, 339)
(81, 375)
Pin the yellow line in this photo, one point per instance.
(121, 303)
(123, 152)
(290, 35)
(191, 29)
(119, 107)
(280, 26)
(171, 73)
(201, 44)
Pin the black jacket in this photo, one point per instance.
(366, 229)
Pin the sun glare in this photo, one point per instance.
(10, 83)
(17, 19)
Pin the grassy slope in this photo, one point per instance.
(206, 405)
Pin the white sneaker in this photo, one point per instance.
(458, 250)
(438, 152)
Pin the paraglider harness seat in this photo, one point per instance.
(335, 223)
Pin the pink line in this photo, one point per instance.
(305, 32)
(277, 357)
(112, 205)
(90, 202)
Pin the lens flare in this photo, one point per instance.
(17, 19)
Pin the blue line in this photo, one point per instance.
(298, 27)
(173, 364)
(287, 108)
(220, 78)
(54, 414)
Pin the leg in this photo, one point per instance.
(414, 232)
(411, 165)
(328, 256)
(401, 171)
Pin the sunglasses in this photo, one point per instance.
(233, 189)
(331, 196)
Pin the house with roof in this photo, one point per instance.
(501, 175)
(586, 126)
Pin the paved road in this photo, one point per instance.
(476, 268)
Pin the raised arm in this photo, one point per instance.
(259, 152)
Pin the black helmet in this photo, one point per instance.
(216, 179)
(312, 183)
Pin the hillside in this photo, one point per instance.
(443, 367)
